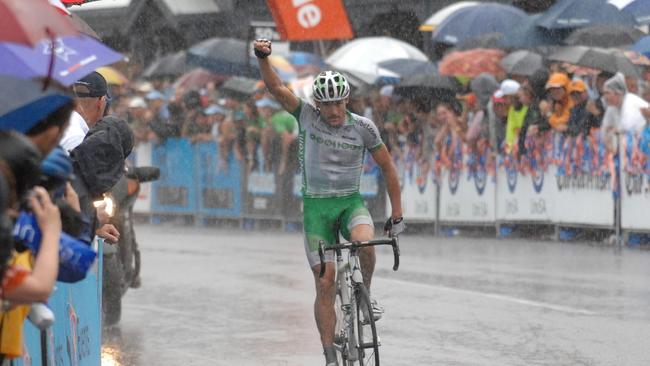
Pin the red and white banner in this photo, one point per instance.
(302, 20)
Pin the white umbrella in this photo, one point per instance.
(362, 56)
(438, 17)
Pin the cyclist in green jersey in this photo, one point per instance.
(332, 146)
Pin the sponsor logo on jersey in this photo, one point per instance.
(334, 144)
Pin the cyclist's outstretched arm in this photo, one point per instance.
(383, 159)
(273, 83)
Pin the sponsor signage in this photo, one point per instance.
(303, 20)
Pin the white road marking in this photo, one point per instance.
(516, 300)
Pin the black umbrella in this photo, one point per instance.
(224, 56)
(239, 86)
(172, 65)
(429, 89)
(23, 103)
(604, 36)
(405, 67)
(596, 58)
(522, 62)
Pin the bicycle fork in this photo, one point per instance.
(348, 275)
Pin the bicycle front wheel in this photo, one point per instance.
(366, 330)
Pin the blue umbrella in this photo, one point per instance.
(474, 21)
(75, 57)
(640, 9)
(23, 103)
(642, 46)
(583, 13)
(528, 35)
(224, 56)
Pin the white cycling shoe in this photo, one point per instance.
(377, 311)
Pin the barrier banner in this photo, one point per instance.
(526, 189)
(261, 198)
(584, 175)
(175, 191)
(635, 181)
(418, 187)
(467, 183)
(75, 337)
(142, 156)
(219, 192)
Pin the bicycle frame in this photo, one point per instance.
(348, 279)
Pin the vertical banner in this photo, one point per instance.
(526, 189)
(75, 337)
(303, 20)
(418, 187)
(175, 191)
(467, 184)
(583, 172)
(635, 181)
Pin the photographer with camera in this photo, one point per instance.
(24, 280)
(98, 164)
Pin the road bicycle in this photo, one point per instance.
(355, 338)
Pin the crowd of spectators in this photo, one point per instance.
(487, 113)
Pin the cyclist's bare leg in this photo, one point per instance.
(364, 232)
(324, 304)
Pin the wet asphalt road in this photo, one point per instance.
(217, 297)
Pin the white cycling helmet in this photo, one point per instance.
(330, 86)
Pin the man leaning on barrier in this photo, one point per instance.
(332, 144)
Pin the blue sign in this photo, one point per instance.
(75, 337)
(175, 191)
(219, 191)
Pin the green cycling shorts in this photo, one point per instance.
(320, 216)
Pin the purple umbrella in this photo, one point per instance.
(75, 57)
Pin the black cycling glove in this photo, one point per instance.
(394, 227)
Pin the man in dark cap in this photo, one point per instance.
(91, 94)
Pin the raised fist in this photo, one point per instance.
(262, 48)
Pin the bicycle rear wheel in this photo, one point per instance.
(340, 336)
(366, 330)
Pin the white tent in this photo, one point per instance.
(362, 56)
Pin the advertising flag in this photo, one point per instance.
(303, 20)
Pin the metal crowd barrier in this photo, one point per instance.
(561, 181)
(75, 337)
(194, 183)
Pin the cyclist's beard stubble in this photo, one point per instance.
(334, 116)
